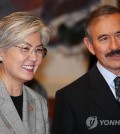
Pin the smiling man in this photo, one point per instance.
(90, 105)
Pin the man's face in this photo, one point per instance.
(106, 42)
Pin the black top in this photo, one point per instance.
(18, 102)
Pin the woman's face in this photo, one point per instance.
(21, 66)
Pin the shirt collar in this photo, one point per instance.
(108, 76)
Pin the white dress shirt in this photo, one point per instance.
(108, 76)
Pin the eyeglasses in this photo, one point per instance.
(26, 49)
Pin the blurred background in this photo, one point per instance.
(67, 57)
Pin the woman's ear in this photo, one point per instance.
(1, 51)
(89, 45)
(1, 58)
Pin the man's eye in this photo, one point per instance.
(103, 39)
(118, 35)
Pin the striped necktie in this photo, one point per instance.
(117, 88)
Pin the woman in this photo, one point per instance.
(22, 40)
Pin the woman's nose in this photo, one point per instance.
(33, 55)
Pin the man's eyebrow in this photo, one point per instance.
(101, 36)
(118, 32)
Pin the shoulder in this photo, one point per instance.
(83, 82)
(75, 86)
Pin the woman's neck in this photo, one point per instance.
(13, 86)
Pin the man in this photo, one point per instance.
(90, 104)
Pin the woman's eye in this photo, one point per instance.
(39, 50)
(25, 48)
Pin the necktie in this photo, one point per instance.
(117, 88)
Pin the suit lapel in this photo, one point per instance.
(28, 111)
(8, 112)
(101, 93)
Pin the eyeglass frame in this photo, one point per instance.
(44, 50)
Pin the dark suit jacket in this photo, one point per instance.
(89, 96)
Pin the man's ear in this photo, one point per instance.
(89, 45)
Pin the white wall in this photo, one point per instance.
(58, 70)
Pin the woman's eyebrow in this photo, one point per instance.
(31, 45)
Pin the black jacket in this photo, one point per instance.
(86, 106)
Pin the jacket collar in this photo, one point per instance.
(99, 90)
(9, 113)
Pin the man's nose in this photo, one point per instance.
(114, 44)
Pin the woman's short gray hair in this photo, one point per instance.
(15, 27)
